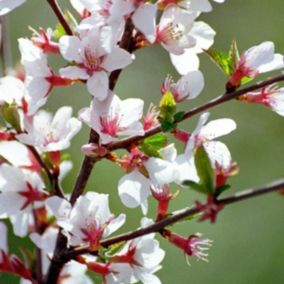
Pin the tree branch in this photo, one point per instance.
(176, 217)
(60, 16)
(125, 143)
(5, 48)
(58, 261)
(52, 178)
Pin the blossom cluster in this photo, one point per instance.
(101, 43)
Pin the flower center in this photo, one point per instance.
(171, 33)
(110, 125)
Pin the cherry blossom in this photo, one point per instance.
(271, 97)
(114, 117)
(134, 189)
(258, 59)
(221, 161)
(20, 194)
(174, 29)
(72, 273)
(192, 245)
(95, 58)
(204, 133)
(88, 221)
(39, 79)
(7, 6)
(11, 90)
(188, 60)
(50, 134)
(187, 87)
(114, 13)
(137, 261)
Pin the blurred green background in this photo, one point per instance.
(248, 237)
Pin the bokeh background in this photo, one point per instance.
(248, 237)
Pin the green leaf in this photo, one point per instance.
(233, 56)
(246, 80)
(204, 170)
(221, 189)
(195, 186)
(158, 141)
(179, 116)
(221, 59)
(58, 32)
(166, 125)
(153, 144)
(11, 115)
(115, 248)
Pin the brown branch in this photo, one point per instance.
(125, 143)
(88, 162)
(58, 260)
(52, 178)
(60, 16)
(38, 264)
(5, 48)
(188, 212)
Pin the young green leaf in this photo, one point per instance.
(204, 170)
(221, 59)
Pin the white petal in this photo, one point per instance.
(144, 19)
(117, 59)
(74, 72)
(161, 172)
(70, 47)
(59, 207)
(133, 189)
(131, 111)
(217, 128)
(97, 85)
(218, 152)
(186, 62)
(190, 85)
(204, 36)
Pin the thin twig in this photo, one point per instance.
(176, 217)
(125, 143)
(60, 16)
(57, 261)
(88, 162)
(53, 179)
(5, 48)
(38, 264)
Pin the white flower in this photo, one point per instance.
(134, 189)
(19, 191)
(203, 134)
(7, 6)
(187, 87)
(88, 221)
(113, 117)
(258, 59)
(46, 242)
(188, 60)
(11, 90)
(37, 72)
(174, 29)
(271, 96)
(199, 5)
(95, 58)
(51, 134)
(20, 194)
(141, 257)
